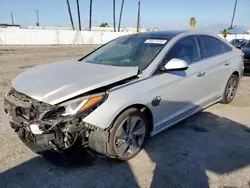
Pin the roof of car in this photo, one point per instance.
(162, 34)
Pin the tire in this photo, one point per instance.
(127, 135)
(231, 89)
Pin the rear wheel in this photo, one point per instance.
(231, 89)
(128, 134)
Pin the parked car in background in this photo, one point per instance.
(128, 89)
(239, 43)
(246, 52)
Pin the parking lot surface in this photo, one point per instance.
(209, 149)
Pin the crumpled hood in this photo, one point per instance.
(57, 82)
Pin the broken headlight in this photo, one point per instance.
(80, 105)
(74, 107)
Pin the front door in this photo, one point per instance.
(179, 92)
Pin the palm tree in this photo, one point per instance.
(104, 25)
(70, 15)
(138, 17)
(90, 14)
(120, 19)
(192, 23)
(235, 5)
(79, 17)
(114, 15)
(224, 33)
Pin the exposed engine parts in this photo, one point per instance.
(41, 129)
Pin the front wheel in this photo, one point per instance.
(128, 134)
(231, 89)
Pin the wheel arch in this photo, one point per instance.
(236, 73)
(143, 108)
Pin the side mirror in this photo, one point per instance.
(176, 64)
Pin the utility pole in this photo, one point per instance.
(235, 5)
(79, 17)
(37, 18)
(138, 17)
(12, 19)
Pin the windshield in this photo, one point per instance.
(240, 41)
(128, 51)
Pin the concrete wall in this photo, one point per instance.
(62, 37)
(54, 37)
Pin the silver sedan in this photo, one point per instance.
(131, 88)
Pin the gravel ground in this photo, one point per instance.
(210, 149)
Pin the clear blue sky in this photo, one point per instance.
(168, 14)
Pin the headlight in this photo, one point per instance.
(73, 107)
(80, 105)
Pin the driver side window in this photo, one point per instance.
(185, 49)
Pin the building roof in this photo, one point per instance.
(236, 31)
(9, 25)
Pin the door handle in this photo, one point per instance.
(227, 63)
(201, 74)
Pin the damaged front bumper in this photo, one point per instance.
(58, 135)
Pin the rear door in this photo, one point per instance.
(217, 60)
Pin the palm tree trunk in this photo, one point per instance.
(120, 19)
(79, 17)
(70, 15)
(138, 18)
(90, 15)
(235, 5)
(114, 15)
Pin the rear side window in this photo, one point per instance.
(210, 46)
(226, 47)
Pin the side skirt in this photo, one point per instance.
(185, 115)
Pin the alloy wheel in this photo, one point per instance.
(231, 89)
(130, 136)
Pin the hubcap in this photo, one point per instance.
(130, 136)
(231, 89)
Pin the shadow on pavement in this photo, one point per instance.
(182, 155)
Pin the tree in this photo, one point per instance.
(90, 14)
(192, 23)
(138, 17)
(79, 17)
(120, 19)
(104, 25)
(70, 15)
(224, 33)
(114, 15)
(235, 5)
